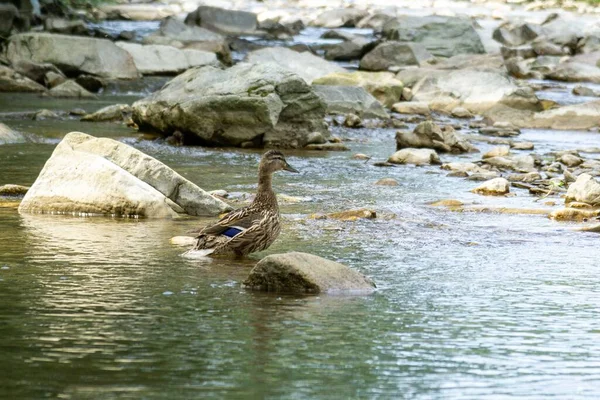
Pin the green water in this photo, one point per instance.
(468, 305)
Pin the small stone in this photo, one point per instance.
(352, 121)
(387, 182)
(570, 160)
(500, 151)
(45, 114)
(327, 147)
(494, 187)
(315, 138)
(219, 193)
(522, 146)
(458, 174)
(361, 156)
(52, 79)
(461, 112)
(353, 215)
(407, 94)
(447, 203)
(415, 156)
(412, 107)
(77, 111)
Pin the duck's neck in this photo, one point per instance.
(265, 195)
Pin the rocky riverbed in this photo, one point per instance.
(448, 151)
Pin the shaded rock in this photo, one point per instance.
(305, 273)
(353, 47)
(387, 182)
(11, 81)
(391, 54)
(42, 115)
(570, 160)
(520, 68)
(327, 147)
(348, 99)
(70, 89)
(65, 26)
(411, 107)
(375, 21)
(516, 34)
(382, 85)
(52, 79)
(262, 104)
(90, 82)
(308, 66)
(352, 121)
(545, 48)
(527, 178)
(415, 156)
(576, 116)
(584, 190)
(9, 15)
(157, 59)
(73, 54)
(229, 22)
(523, 52)
(442, 36)
(500, 151)
(87, 175)
(13, 190)
(35, 71)
(494, 187)
(573, 71)
(109, 113)
(139, 12)
(338, 18)
(9, 136)
(429, 135)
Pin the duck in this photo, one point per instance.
(252, 228)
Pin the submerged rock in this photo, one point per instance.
(387, 182)
(13, 190)
(574, 214)
(9, 136)
(87, 175)
(415, 156)
(306, 65)
(73, 54)
(382, 85)
(248, 104)
(164, 60)
(108, 113)
(584, 190)
(352, 215)
(348, 99)
(494, 187)
(305, 273)
(327, 147)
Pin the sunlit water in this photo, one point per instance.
(468, 305)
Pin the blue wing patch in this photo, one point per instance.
(232, 231)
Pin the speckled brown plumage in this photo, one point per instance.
(260, 220)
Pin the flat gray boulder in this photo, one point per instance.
(349, 99)
(246, 105)
(442, 36)
(73, 54)
(163, 60)
(306, 273)
(394, 54)
(100, 176)
(230, 22)
(307, 65)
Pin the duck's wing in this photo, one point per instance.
(243, 217)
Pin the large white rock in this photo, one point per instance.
(88, 175)
(585, 190)
(415, 156)
(158, 59)
(307, 65)
(493, 187)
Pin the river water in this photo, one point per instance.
(469, 305)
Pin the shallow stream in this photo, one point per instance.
(469, 305)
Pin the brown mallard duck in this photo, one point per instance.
(252, 228)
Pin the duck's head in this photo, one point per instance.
(272, 161)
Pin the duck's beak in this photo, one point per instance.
(288, 167)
